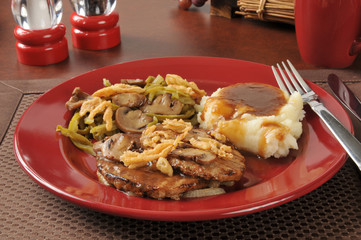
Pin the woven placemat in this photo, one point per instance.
(28, 211)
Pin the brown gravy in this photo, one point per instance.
(257, 98)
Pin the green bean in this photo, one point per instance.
(74, 122)
(149, 79)
(84, 131)
(106, 82)
(194, 120)
(114, 107)
(160, 117)
(77, 121)
(187, 100)
(86, 148)
(73, 135)
(99, 131)
(78, 140)
(159, 80)
(155, 121)
(155, 91)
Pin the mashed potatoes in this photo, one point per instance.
(255, 117)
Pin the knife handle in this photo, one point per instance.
(351, 145)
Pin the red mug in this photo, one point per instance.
(328, 31)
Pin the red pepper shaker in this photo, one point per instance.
(95, 24)
(39, 34)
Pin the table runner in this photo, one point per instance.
(30, 212)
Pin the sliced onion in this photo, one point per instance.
(227, 183)
(206, 192)
(102, 179)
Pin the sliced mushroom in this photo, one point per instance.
(163, 104)
(114, 146)
(138, 82)
(196, 133)
(129, 99)
(77, 99)
(129, 120)
(194, 154)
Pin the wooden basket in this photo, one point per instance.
(267, 10)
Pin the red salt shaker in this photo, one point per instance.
(95, 24)
(40, 35)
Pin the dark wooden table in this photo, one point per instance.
(157, 28)
(150, 29)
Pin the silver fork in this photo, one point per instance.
(346, 139)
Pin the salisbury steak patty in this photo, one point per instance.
(167, 160)
(147, 182)
(218, 169)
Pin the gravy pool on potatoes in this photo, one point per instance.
(259, 99)
(255, 117)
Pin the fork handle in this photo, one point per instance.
(345, 138)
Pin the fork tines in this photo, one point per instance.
(346, 139)
(297, 84)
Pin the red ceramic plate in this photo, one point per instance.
(54, 163)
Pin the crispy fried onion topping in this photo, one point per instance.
(164, 166)
(182, 85)
(159, 142)
(116, 89)
(95, 106)
(173, 132)
(135, 159)
(212, 145)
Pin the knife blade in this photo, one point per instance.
(345, 95)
